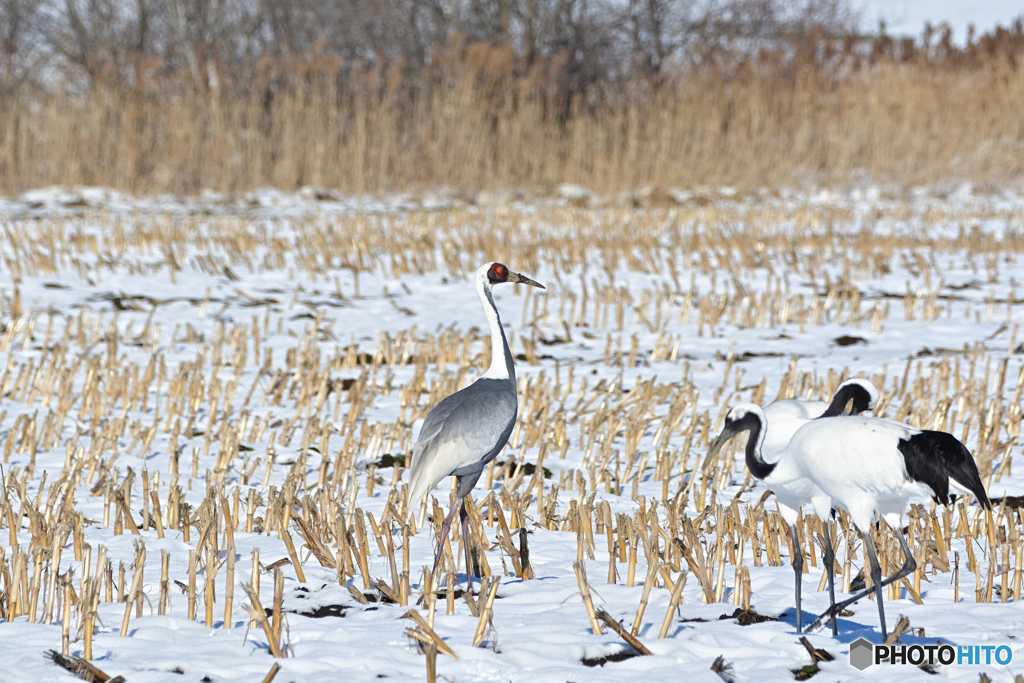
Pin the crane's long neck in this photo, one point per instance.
(755, 463)
(862, 401)
(501, 358)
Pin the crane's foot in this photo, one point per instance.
(829, 616)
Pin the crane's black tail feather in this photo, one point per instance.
(934, 458)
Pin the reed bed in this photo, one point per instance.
(831, 112)
(258, 406)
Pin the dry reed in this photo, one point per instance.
(481, 120)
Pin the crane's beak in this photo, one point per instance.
(717, 446)
(516, 277)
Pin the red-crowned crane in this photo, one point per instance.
(869, 467)
(782, 419)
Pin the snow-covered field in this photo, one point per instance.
(256, 348)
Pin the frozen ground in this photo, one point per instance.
(915, 282)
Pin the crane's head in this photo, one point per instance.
(497, 273)
(863, 394)
(743, 417)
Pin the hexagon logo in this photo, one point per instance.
(862, 654)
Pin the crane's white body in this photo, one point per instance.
(784, 418)
(856, 467)
(792, 490)
(855, 464)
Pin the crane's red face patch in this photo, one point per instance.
(497, 273)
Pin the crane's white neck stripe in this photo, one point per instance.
(500, 364)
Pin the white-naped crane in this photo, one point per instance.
(782, 420)
(869, 467)
(468, 429)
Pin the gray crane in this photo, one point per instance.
(468, 429)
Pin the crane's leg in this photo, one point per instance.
(798, 567)
(909, 565)
(464, 516)
(830, 566)
(445, 527)
(876, 578)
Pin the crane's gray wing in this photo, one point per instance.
(462, 433)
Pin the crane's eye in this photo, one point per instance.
(497, 273)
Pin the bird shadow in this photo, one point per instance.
(850, 631)
(510, 581)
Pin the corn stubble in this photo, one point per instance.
(218, 418)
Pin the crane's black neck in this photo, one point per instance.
(755, 463)
(848, 392)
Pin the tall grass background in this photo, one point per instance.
(804, 110)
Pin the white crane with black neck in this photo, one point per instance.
(783, 419)
(871, 468)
